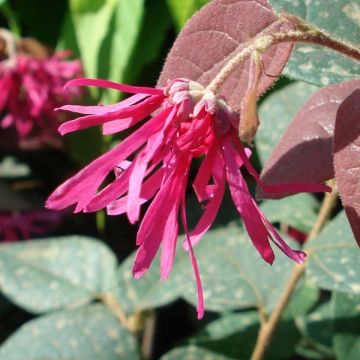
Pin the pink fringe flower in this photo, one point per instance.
(190, 123)
(31, 88)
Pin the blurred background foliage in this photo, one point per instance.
(62, 296)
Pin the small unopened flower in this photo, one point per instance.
(190, 122)
(31, 84)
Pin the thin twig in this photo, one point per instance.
(267, 329)
(110, 301)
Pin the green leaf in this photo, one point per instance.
(233, 274)
(2, 2)
(334, 258)
(234, 335)
(89, 333)
(318, 330)
(299, 211)
(119, 44)
(192, 353)
(347, 326)
(182, 10)
(145, 293)
(91, 19)
(316, 64)
(305, 297)
(149, 45)
(276, 112)
(44, 275)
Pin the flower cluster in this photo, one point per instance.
(31, 87)
(189, 122)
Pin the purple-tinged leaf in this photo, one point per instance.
(347, 158)
(305, 152)
(214, 35)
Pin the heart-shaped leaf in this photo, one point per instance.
(305, 152)
(334, 258)
(89, 333)
(317, 64)
(214, 35)
(347, 159)
(45, 275)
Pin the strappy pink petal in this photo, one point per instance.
(200, 293)
(169, 241)
(211, 210)
(297, 255)
(200, 184)
(151, 231)
(148, 191)
(141, 163)
(115, 86)
(288, 188)
(102, 109)
(82, 187)
(244, 204)
(135, 113)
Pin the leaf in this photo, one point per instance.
(150, 42)
(334, 258)
(214, 35)
(317, 328)
(85, 15)
(89, 333)
(317, 64)
(231, 271)
(299, 211)
(347, 326)
(304, 153)
(192, 353)
(119, 44)
(235, 334)
(276, 112)
(182, 10)
(45, 275)
(145, 293)
(346, 158)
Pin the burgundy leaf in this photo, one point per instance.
(304, 153)
(214, 35)
(347, 158)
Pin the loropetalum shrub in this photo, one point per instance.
(203, 112)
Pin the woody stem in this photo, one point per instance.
(263, 42)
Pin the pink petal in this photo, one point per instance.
(115, 86)
(135, 113)
(212, 207)
(296, 255)
(200, 293)
(245, 205)
(203, 176)
(141, 164)
(148, 191)
(82, 187)
(103, 109)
